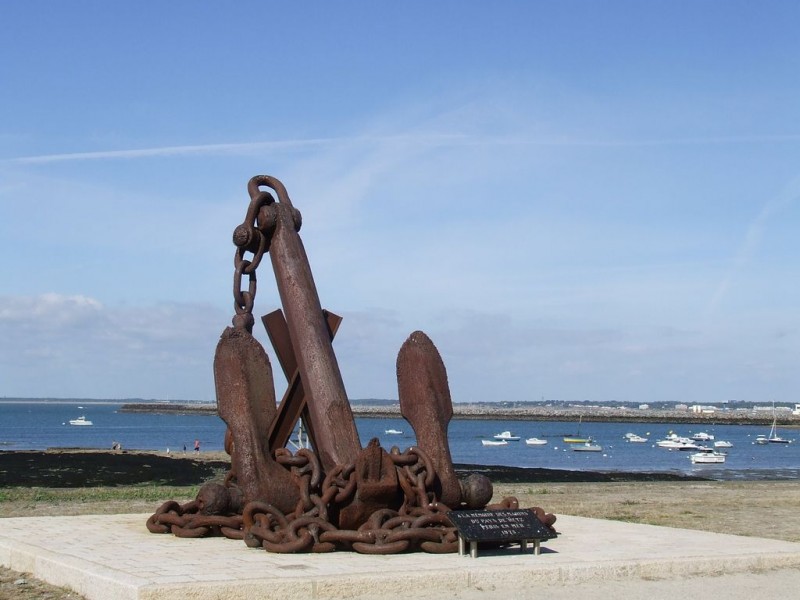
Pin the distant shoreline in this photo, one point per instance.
(479, 411)
(530, 413)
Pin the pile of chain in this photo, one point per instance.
(421, 523)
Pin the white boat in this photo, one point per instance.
(773, 436)
(587, 447)
(702, 436)
(707, 458)
(494, 442)
(535, 442)
(761, 440)
(393, 432)
(80, 421)
(506, 436)
(676, 442)
(722, 444)
(636, 439)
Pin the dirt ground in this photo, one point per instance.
(70, 482)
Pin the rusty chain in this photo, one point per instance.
(252, 237)
(421, 523)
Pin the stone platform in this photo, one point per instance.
(115, 557)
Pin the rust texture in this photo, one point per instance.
(334, 494)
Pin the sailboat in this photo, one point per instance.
(773, 437)
(301, 442)
(577, 439)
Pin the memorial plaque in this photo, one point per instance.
(498, 526)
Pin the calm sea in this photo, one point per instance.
(41, 425)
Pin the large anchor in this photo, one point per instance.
(316, 391)
(337, 494)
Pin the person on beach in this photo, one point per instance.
(197, 445)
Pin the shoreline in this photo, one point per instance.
(71, 467)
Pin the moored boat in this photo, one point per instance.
(773, 436)
(80, 421)
(723, 444)
(506, 436)
(676, 442)
(576, 438)
(534, 441)
(707, 458)
(587, 447)
(392, 432)
(494, 442)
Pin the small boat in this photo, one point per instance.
(702, 436)
(773, 436)
(80, 421)
(722, 444)
(393, 432)
(494, 442)
(761, 440)
(676, 442)
(702, 458)
(506, 436)
(577, 439)
(535, 442)
(637, 439)
(587, 447)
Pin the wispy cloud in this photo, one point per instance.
(85, 347)
(226, 149)
(433, 138)
(752, 239)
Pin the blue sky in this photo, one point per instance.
(575, 200)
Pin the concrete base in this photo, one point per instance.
(114, 556)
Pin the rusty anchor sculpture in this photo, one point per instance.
(338, 496)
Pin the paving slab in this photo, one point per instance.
(114, 556)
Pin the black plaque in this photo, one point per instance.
(499, 525)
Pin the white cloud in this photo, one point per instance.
(74, 346)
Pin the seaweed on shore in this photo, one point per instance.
(72, 469)
(501, 474)
(86, 468)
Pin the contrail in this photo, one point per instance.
(232, 148)
(753, 236)
(444, 139)
(168, 151)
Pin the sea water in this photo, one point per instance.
(41, 425)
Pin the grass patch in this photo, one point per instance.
(41, 501)
(148, 493)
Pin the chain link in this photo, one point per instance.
(250, 238)
(421, 522)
